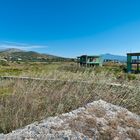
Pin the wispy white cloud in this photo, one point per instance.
(22, 46)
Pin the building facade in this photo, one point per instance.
(133, 62)
(86, 60)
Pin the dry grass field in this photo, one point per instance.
(26, 101)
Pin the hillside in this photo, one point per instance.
(21, 55)
(98, 120)
(10, 50)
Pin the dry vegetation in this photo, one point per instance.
(23, 101)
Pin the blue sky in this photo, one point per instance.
(71, 27)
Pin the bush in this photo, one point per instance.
(131, 77)
(4, 63)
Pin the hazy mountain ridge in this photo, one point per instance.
(114, 57)
(17, 54)
(11, 50)
(35, 56)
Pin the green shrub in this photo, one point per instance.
(131, 77)
(4, 63)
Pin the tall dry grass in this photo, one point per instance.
(30, 101)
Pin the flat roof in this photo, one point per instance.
(89, 56)
(133, 54)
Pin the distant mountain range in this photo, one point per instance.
(11, 50)
(17, 54)
(13, 54)
(114, 57)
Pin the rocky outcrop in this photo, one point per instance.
(98, 120)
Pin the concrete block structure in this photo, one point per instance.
(86, 60)
(133, 62)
